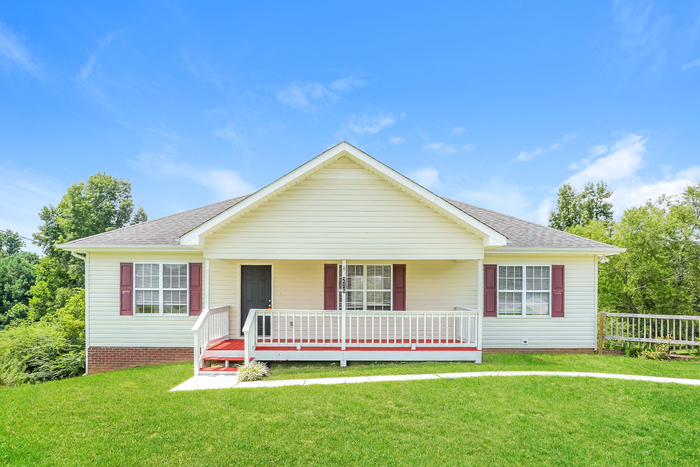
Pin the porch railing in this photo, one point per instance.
(340, 330)
(211, 327)
(652, 329)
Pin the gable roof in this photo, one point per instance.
(176, 231)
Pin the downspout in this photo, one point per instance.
(87, 304)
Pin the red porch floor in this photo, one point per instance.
(373, 345)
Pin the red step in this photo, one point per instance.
(224, 359)
(218, 368)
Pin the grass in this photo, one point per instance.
(128, 418)
(494, 362)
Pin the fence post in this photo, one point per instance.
(601, 333)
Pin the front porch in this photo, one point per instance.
(314, 335)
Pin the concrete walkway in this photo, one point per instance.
(230, 381)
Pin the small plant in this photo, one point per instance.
(254, 371)
(660, 352)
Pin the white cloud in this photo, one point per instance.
(525, 156)
(307, 96)
(440, 148)
(620, 167)
(528, 156)
(692, 64)
(468, 147)
(347, 84)
(458, 131)
(368, 123)
(623, 161)
(397, 140)
(429, 177)
(224, 182)
(86, 69)
(15, 55)
(228, 132)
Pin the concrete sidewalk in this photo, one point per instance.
(230, 381)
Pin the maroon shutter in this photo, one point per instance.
(399, 287)
(558, 291)
(330, 286)
(490, 290)
(195, 289)
(126, 288)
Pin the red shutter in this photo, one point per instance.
(330, 286)
(399, 287)
(126, 288)
(558, 291)
(490, 290)
(195, 289)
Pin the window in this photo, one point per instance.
(154, 296)
(524, 290)
(368, 287)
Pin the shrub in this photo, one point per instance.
(38, 352)
(254, 371)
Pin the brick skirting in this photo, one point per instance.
(101, 359)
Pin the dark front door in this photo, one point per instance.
(256, 293)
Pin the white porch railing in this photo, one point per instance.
(653, 329)
(339, 330)
(211, 327)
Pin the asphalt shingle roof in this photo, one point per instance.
(167, 230)
(164, 231)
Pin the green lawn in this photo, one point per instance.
(128, 418)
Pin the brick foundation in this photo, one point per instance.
(101, 359)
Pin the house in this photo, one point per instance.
(341, 259)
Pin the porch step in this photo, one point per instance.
(224, 359)
(220, 369)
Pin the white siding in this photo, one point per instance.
(107, 328)
(343, 212)
(577, 330)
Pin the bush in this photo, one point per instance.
(254, 371)
(38, 352)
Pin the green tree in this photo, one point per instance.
(10, 243)
(580, 208)
(660, 271)
(101, 204)
(17, 275)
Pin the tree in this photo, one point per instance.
(17, 275)
(580, 208)
(660, 271)
(10, 243)
(101, 204)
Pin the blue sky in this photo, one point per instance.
(492, 103)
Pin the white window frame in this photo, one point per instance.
(364, 285)
(524, 291)
(160, 288)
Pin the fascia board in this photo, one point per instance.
(121, 248)
(557, 251)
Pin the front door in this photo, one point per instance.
(256, 293)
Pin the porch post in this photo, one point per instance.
(479, 301)
(343, 282)
(206, 284)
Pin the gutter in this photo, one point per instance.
(87, 303)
